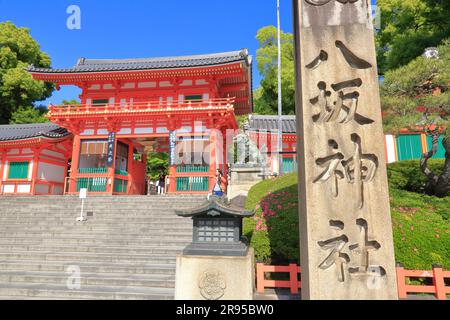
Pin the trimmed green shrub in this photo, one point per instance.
(406, 175)
(273, 232)
(420, 222)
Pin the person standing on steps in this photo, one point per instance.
(218, 187)
(161, 183)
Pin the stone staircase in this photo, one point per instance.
(126, 250)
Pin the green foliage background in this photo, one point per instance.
(266, 97)
(408, 27)
(18, 90)
(420, 222)
(157, 162)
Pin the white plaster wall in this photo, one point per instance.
(162, 130)
(143, 130)
(129, 85)
(23, 188)
(51, 172)
(165, 84)
(57, 190)
(42, 188)
(5, 171)
(186, 83)
(201, 82)
(147, 85)
(88, 132)
(125, 131)
(390, 148)
(30, 170)
(53, 154)
(8, 188)
(185, 129)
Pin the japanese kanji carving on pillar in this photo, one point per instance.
(343, 181)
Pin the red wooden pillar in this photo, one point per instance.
(130, 168)
(439, 283)
(36, 154)
(75, 163)
(401, 283)
(224, 159)
(2, 168)
(212, 158)
(293, 271)
(260, 280)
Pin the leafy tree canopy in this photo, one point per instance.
(70, 102)
(409, 26)
(18, 90)
(266, 97)
(421, 83)
(157, 162)
(25, 115)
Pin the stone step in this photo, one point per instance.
(118, 206)
(96, 217)
(151, 210)
(169, 250)
(23, 291)
(91, 267)
(105, 279)
(93, 222)
(161, 234)
(86, 257)
(126, 250)
(93, 241)
(101, 200)
(98, 228)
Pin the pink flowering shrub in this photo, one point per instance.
(273, 232)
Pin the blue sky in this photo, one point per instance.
(143, 28)
(138, 28)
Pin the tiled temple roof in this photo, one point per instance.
(270, 123)
(105, 65)
(28, 131)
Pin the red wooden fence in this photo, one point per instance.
(293, 283)
(439, 289)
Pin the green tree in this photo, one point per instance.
(18, 90)
(266, 97)
(157, 162)
(70, 102)
(25, 115)
(408, 27)
(417, 95)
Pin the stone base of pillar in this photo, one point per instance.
(215, 277)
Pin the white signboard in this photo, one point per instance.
(83, 193)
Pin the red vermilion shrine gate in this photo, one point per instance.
(180, 105)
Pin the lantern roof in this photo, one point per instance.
(216, 207)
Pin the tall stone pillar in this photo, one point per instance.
(345, 222)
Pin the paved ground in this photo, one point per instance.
(276, 294)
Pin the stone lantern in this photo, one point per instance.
(217, 264)
(217, 229)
